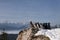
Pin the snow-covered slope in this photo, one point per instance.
(53, 34)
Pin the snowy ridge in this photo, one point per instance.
(53, 34)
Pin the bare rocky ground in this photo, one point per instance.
(40, 37)
(29, 33)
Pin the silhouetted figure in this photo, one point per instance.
(46, 25)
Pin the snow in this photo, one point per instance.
(11, 32)
(53, 34)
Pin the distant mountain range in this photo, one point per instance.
(12, 26)
(15, 26)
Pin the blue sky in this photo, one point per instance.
(27, 10)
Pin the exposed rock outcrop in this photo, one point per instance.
(29, 33)
(40, 37)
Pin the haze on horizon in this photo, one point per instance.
(30, 10)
